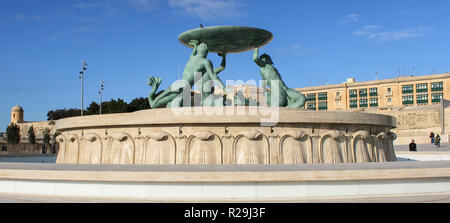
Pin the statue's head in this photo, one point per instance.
(202, 49)
(266, 59)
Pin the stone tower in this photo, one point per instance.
(17, 114)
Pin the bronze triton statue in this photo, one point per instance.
(286, 97)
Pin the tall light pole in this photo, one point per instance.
(100, 92)
(83, 69)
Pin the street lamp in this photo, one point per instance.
(100, 92)
(83, 69)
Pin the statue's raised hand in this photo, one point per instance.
(154, 82)
(194, 42)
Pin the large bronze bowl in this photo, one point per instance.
(227, 39)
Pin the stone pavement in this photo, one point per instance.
(445, 147)
(412, 198)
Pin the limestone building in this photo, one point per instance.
(414, 100)
(401, 91)
(25, 147)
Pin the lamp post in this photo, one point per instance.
(100, 92)
(83, 69)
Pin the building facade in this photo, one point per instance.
(401, 91)
(25, 147)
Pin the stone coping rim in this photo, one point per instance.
(225, 174)
(226, 168)
(166, 117)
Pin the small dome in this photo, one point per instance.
(17, 108)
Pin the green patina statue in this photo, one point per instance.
(197, 64)
(285, 96)
(199, 70)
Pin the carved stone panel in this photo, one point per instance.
(296, 148)
(361, 147)
(332, 148)
(251, 147)
(204, 147)
(381, 147)
(160, 148)
(91, 152)
(121, 149)
(72, 148)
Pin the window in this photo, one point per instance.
(312, 106)
(422, 99)
(407, 89)
(408, 100)
(323, 96)
(422, 87)
(311, 97)
(363, 103)
(363, 92)
(353, 93)
(373, 91)
(389, 100)
(389, 90)
(436, 98)
(353, 103)
(323, 106)
(437, 86)
(373, 102)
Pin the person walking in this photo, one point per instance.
(412, 146)
(432, 137)
(437, 141)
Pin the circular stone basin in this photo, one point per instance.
(227, 39)
(227, 135)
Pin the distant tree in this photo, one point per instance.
(138, 104)
(63, 113)
(31, 135)
(93, 109)
(13, 134)
(114, 106)
(46, 137)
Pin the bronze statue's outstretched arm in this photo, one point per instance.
(213, 75)
(194, 43)
(222, 65)
(256, 58)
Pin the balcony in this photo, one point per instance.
(437, 89)
(408, 91)
(422, 101)
(408, 102)
(422, 90)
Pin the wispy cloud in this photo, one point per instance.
(294, 50)
(208, 10)
(380, 34)
(353, 17)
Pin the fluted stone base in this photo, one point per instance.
(236, 135)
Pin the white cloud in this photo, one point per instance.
(143, 4)
(353, 17)
(378, 33)
(208, 10)
(294, 49)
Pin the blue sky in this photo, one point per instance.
(126, 41)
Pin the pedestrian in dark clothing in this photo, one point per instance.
(437, 141)
(412, 146)
(432, 137)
